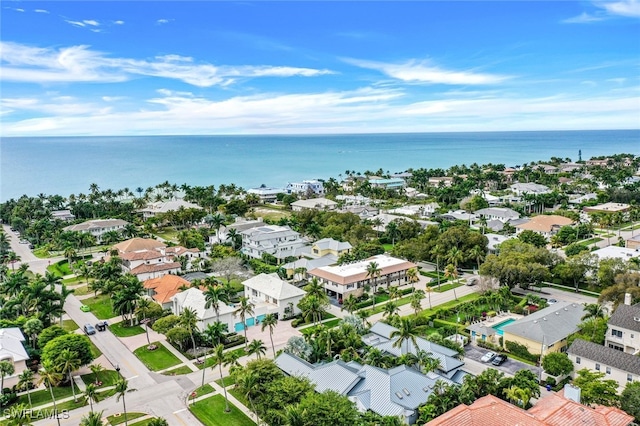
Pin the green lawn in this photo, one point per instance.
(209, 361)
(158, 359)
(124, 330)
(228, 381)
(329, 324)
(467, 298)
(117, 419)
(210, 411)
(180, 370)
(82, 290)
(446, 287)
(204, 390)
(100, 306)
(239, 396)
(167, 233)
(69, 325)
(107, 377)
(60, 269)
(590, 241)
(44, 396)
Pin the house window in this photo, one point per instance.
(608, 370)
(629, 377)
(633, 336)
(616, 347)
(577, 360)
(616, 333)
(597, 367)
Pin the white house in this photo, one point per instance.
(616, 365)
(266, 194)
(313, 204)
(529, 188)
(278, 241)
(13, 351)
(623, 332)
(64, 215)
(503, 214)
(153, 209)
(306, 187)
(194, 298)
(271, 295)
(615, 252)
(98, 227)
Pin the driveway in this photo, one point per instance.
(510, 367)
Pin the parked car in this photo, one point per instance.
(24, 242)
(472, 281)
(85, 308)
(102, 325)
(552, 301)
(499, 360)
(89, 329)
(489, 356)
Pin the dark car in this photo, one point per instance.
(499, 360)
(89, 329)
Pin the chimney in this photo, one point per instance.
(572, 392)
(627, 299)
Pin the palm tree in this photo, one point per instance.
(249, 381)
(245, 308)
(25, 382)
(91, 392)
(157, 421)
(6, 369)
(92, 419)
(350, 303)
(436, 251)
(219, 359)
(68, 362)
(19, 415)
(256, 347)
(50, 377)
(517, 395)
(96, 369)
(412, 275)
(390, 309)
(394, 293)
(142, 309)
(270, 320)
(234, 237)
(405, 333)
(373, 273)
(478, 254)
(214, 294)
(451, 272)
(416, 301)
(314, 288)
(189, 320)
(121, 388)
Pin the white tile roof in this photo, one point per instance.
(11, 339)
(193, 298)
(273, 286)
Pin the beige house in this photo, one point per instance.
(546, 330)
(616, 365)
(546, 225)
(608, 208)
(342, 280)
(146, 258)
(98, 227)
(13, 351)
(154, 209)
(328, 246)
(623, 331)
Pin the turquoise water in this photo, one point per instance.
(498, 327)
(66, 165)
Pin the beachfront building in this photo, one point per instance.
(12, 350)
(545, 225)
(278, 241)
(271, 295)
(159, 207)
(397, 391)
(194, 299)
(622, 367)
(546, 330)
(306, 188)
(98, 227)
(266, 194)
(313, 204)
(393, 183)
(342, 280)
(162, 289)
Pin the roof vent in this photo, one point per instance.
(557, 313)
(406, 391)
(544, 319)
(535, 321)
(636, 319)
(566, 309)
(426, 389)
(399, 395)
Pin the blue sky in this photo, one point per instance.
(161, 67)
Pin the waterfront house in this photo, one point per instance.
(306, 188)
(278, 241)
(98, 227)
(393, 183)
(266, 194)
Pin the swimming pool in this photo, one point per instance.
(498, 327)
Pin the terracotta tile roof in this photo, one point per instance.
(556, 410)
(138, 244)
(165, 287)
(486, 411)
(545, 223)
(156, 267)
(141, 255)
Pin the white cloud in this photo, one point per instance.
(41, 11)
(119, 22)
(629, 8)
(414, 71)
(19, 10)
(619, 80)
(163, 21)
(583, 18)
(91, 22)
(80, 63)
(75, 23)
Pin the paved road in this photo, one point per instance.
(472, 361)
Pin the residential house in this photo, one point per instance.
(329, 246)
(240, 224)
(266, 194)
(353, 200)
(633, 242)
(298, 268)
(615, 252)
(64, 215)
(394, 392)
(503, 214)
(529, 188)
(459, 215)
(608, 208)
(278, 241)
(98, 227)
(146, 258)
(570, 167)
(546, 330)
(306, 187)
(272, 295)
(598, 163)
(162, 289)
(554, 409)
(440, 181)
(546, 168)
(420, 210)
(313, 204)
(616, 365)
(582, 198)
(364, 212)
(13, 351)
(194, 299)
(383, 219)
(393, 183)
(342, 280)
(545, 225)
(494, 241)
(159, 207)
(623, 331)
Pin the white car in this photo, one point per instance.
(488, 357)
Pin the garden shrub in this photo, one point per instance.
(521, 351)
(438, 323)
(488, 345)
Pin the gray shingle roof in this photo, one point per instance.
(551, 324)
(606, 356)
(624, 317)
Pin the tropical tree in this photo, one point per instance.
(96, 369)
(121, 388)
(67, 362)
(373, 273)
(416, 300)
(143, 309)
(50, 377)
(19, 415)
(270, 321)
(452, 273)
(390, 309)
(478, 253)
(244, 310)
(6, 369)
(189, 320)
(25, 383)
(92, 419)
(249, 382)
(214, 295)
(219, 359)
(517, 395)
(91, 393)
(256, 347)
(157, 421)
(412, 275)
(313, 307)
(406, 332)
(350, 303)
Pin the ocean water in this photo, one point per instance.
(66, 165)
